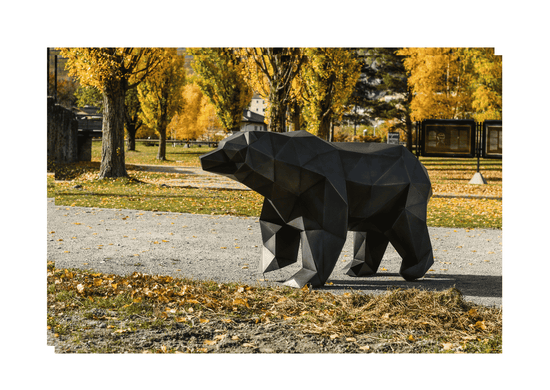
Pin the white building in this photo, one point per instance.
(258, 104)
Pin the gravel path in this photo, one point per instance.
(226, 248)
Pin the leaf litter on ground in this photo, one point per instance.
(406, 316)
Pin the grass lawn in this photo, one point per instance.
(177, 156)
(145, 190)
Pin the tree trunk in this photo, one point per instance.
(408, 121)
(408, 124)
(112, 145)
(161, 155)
(277, 118)
(163, 124)
(296, 116)
(324, 128)
(326, 116)
(131, 128)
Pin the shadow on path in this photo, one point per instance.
(470, 285)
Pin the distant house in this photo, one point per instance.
(252, 121)
(258, 104)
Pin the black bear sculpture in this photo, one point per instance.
(315, 191)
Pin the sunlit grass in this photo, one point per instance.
(145, 190)
(144, 154)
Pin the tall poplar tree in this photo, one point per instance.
(113, 71)
(160, 96)
(221, 80)
(439, 80)
(329, 76)
(485, 84)
(270, 72)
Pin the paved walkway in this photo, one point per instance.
(228, 249)
(193, 177)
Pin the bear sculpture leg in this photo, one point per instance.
(410, 238)
(368, 251)
(320, 251)
(281, 244)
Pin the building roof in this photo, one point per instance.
(252, 117)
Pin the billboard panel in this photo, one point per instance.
(448, 138)
(492, 139)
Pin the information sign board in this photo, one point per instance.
(448, 138)
(492, 139)
(393, 137)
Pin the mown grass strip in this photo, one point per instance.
(138, 195)
(145, 190)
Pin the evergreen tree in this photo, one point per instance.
(382, 91)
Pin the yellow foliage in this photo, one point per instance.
(439, 83)
(454, 83)
(220, 79)
(197, 115)
(328, 80)
(160, 94)
(98, 66)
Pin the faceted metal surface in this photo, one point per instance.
(316, 191)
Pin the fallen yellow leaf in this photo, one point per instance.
(242, 302)
(447, 346)
(480, 325)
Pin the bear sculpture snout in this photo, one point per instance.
(217, 161)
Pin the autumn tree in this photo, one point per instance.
(485, 84)
(329, 76)
(186, 123)
(270, 72)
(193, 120)
(132, 116)
(392, 95)
(89, 96)
(439, 81)
(208, 121)
(113, 71)
(160, 96)
(221, 80)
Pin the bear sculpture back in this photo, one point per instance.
(315, 191)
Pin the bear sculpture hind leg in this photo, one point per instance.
(368, 251)
(409, 236)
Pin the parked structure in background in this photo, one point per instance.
(89, 118)
(66, 143)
